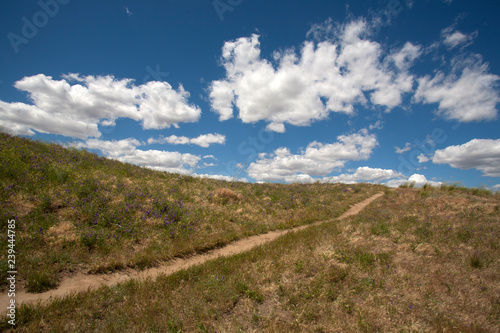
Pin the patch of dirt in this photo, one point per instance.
(425, 249)
(63, 231)
(226, 193)
(269, 309)
(84, 282)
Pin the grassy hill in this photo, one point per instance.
(414, 260)
(80, 212)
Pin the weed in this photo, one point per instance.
(475, 260)
(40, 281)
(424, 231)
(464, 234)
(425, 193)
(243, 288)
(365, 259)
(380, 229)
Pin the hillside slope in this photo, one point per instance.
(413, 261)
(77, 212)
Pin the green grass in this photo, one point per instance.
(408, 262)
(330, 277)
(76, 211)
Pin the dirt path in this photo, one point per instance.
(83, 282)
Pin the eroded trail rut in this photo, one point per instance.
(84, 282)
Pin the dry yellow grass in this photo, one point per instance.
(408, 262)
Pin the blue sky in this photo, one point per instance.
(265, 91)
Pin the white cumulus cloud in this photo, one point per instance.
(467, 94)
(422, 158)
(318, 159)
(221, 177)
(126, 151)
(329, 76)
(416, 179)
(204, 140)
(480, 154)
(366, 174)
(75, 105)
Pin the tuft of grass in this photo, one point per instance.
(475, 260)
(40, 281)
(243, 288)
(380, 229)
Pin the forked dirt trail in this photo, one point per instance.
(83, 282)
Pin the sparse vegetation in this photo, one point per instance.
(408, 262)
(104, 215)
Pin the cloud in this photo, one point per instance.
(329, 76)
(455, 39)
(366, 174)
(422, 158)
(404, 58)
(378, 125)
(221, 177)
(23, 119)
(467, 94)
(406, 148)
(276, 127)
(417, 179)
(210, 156)
(480, 154)
(126, 151)
(421, 180)
(317, 159)
(128, 11)
(204, 140)
(452, 39)
(75, 105)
